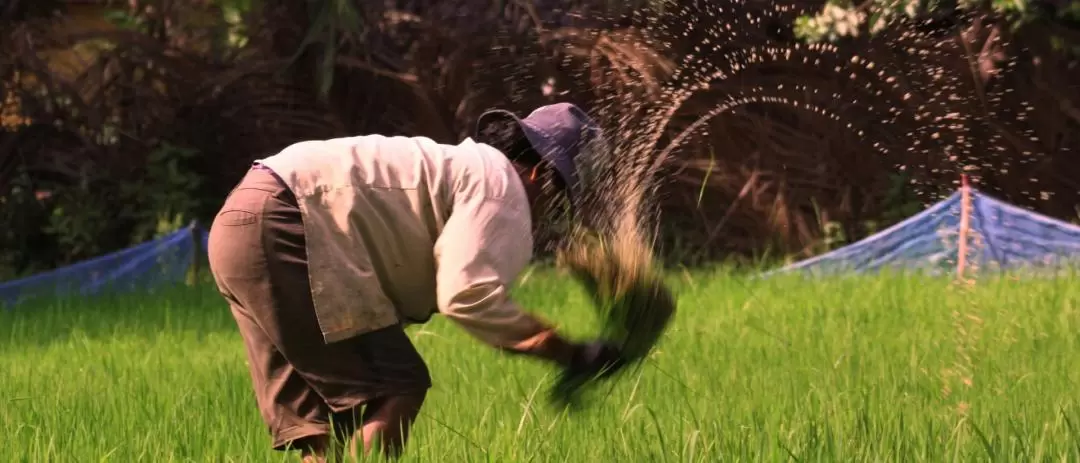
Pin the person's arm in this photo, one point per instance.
(484, 246)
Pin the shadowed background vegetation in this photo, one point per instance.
(122, 121)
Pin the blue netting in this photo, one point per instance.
(163, 261)
(1001, 237)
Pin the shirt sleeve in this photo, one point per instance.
(484, 246)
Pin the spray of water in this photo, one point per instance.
(931, 120)
(914, 108)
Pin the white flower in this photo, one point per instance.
(910, 8)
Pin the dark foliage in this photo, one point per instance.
(115, 134)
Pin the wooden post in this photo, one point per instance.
(965, 225)
(196, 254)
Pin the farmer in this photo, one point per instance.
(327, 249)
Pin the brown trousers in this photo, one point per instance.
(301, 383)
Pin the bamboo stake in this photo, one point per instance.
(192, 277)
(965, 224)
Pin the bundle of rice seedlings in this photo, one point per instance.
(627, 290)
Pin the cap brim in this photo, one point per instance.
(520, 127)
(540, 145)
(492, 116)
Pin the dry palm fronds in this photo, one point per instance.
(434, 70)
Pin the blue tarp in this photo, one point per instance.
(1000, 237)
(161, 262)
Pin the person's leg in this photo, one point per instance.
(386, 424)
(316, 449)
(296, 416)
(375, 383)
(374, 368)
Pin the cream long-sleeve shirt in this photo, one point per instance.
(400, 228)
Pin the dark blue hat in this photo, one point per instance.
(557, 132)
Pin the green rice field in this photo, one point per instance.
(852, 370)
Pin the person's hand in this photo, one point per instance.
(591, 361)
(581, 363)
(595, 359)
(547, 345)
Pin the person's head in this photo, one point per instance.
(544, 148)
